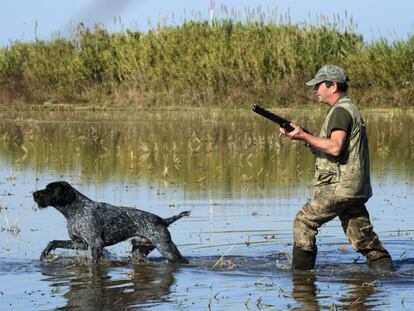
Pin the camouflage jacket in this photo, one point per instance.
(347, 175)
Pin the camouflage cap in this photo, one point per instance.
(329, 73)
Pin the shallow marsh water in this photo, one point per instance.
(243, 185)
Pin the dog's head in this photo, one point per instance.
(58, 193)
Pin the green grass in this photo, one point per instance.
(194, 64)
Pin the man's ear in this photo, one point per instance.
(334, 88)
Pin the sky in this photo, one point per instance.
(24, 20)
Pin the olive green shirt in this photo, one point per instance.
(340, 120)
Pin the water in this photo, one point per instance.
(243, 185)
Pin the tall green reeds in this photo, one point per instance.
(199, 64)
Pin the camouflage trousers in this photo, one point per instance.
(355, 222)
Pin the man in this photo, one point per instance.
(342, 177)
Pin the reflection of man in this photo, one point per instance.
(342, 177)
(355, 294)
(305, 291)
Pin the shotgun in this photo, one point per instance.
(275, 118)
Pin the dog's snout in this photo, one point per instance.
(36, 195)
(39, 198)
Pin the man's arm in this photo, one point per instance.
(332, 145)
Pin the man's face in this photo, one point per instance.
(324, 92)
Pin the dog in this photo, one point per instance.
(95, 225)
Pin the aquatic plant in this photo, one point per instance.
(12, 229)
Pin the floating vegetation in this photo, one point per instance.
(223, 263)
(11, 228)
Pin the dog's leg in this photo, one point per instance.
(170, 251)
(141, 247)
(68, 244)
(96, 248)
(92, 233)
(96, 252)
(164, 244)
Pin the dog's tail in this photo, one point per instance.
(168, 221)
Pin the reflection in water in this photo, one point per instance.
(253, 283)
(357, 289)
(204, 156)
(304, 290)
(102, 288)
(361, 286)
(222, 152)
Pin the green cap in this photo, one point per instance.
(329, 73)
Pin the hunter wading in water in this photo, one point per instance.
(342, 176)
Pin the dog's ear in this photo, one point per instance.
(63, 194)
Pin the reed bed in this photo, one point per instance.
(234, 60)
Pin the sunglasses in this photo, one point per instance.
(327, 83)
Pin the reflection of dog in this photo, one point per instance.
(97, 225)
(95, 288)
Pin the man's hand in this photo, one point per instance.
(332, 145)
(296, 134)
